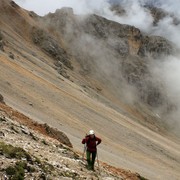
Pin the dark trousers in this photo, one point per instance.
(91, 156)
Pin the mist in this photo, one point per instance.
(136, 15)
(166, 70)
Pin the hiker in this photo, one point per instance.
(91, 142)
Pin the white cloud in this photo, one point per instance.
(43, 7)
(136, 15)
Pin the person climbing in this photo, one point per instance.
(91, 142)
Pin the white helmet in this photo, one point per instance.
(91, 132)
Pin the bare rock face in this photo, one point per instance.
(157, 14)
(51, 46)
(155, 46)
(89, 38)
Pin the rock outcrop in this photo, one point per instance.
(155, 47)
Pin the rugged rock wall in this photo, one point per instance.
(95, 41)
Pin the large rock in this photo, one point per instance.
(60, 136)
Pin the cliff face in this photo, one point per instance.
(126, 51)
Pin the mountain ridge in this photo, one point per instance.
(38, 84)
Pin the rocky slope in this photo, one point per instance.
(76, 73)
(29, 150)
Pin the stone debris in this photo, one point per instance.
(50, 160)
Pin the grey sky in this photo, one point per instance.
(43, 7)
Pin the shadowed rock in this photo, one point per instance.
(60, 136)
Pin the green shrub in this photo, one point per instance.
(10, 170)
(17, 171)
(17, 177)
(14, 152)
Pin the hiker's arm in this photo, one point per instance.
(98, 140)
(85, 140)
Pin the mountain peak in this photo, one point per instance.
(63, 74)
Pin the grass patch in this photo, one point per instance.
(10, 151)
(17, 171)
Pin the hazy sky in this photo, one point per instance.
(42, 7)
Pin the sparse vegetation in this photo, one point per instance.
(13, 152)
(17, 171)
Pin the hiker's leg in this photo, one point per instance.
(88, 159)
(93, 160)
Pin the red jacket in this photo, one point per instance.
(91, 143)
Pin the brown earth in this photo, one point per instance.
(31, 85)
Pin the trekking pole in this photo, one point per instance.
(98, 162)
(85, 147)
(84, 152)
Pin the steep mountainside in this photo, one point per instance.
(76, 73)
(116, 55)
(31, 150)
